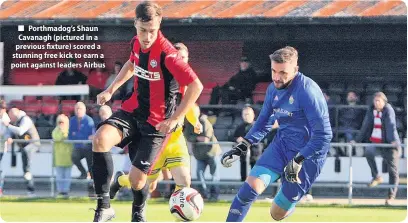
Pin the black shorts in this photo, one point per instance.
(145, 142)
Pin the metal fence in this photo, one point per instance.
(348, 185)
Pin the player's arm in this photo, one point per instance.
(185, 76)
(317, 114)
(124, 75)
(263, 125)
(190, 97)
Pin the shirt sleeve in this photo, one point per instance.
(263, 124)
(132, 54)
(181, 71)
(191, 117)
(315, 108)
(25, 125)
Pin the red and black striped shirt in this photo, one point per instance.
(159, 72)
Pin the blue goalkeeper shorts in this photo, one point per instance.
(273, 161)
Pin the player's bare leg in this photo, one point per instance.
(153, 182)
(278, 213)
(256, 184)
(181, 176)
(105, 138)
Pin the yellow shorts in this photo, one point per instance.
(175, 154)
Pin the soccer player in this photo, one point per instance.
(148, 115)
(299, 149)
(175, 155)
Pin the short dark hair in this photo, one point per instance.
(181, 46)
(286, 54)
(146, 11)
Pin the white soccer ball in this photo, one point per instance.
(186, 204)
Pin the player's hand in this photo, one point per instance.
(235, 153)
(198, 128)
(168, 125)
(9, 141)
(103, 97)
(292, 170)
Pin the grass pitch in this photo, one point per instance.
(79, 210)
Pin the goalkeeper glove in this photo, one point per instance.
(235, 153)
(293, 168)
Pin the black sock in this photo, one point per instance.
(102, 172)
(140, 197)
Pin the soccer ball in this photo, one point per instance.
(186, 204)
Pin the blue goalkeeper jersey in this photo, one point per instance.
(302, 114)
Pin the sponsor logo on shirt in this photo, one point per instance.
(283, 111)
(148, 75)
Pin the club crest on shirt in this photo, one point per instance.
(153, 63)
(291, 100)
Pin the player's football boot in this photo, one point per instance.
(138, 213)
(104, 214)
(115, 186)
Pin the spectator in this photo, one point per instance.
(248, 116)
(82, 127)
(4, 139)
(70, 77)
(118, 94)
(22, 127)
(206, 155)
(97, 79)
(238, 88)
(327, 98)
(62, 155)
(350, 118)
(379, 126)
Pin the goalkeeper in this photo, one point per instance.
(299, 149)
